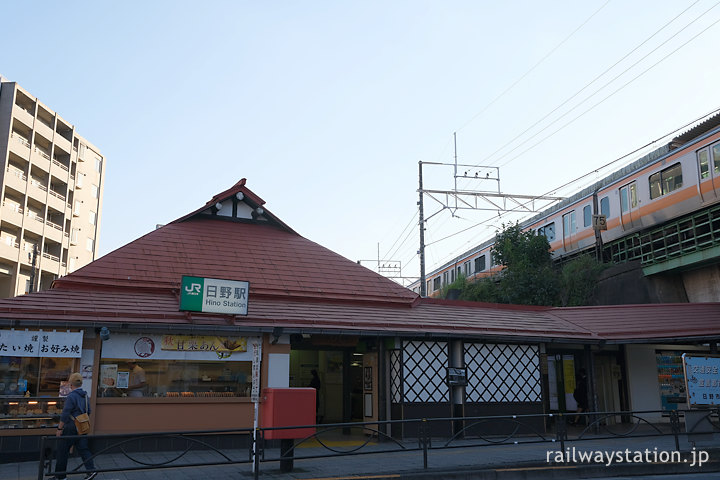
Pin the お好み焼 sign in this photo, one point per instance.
(212, 295)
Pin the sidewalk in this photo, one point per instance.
(528, 460)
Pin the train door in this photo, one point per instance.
(569, 229)
(709, 169)
(629, 212)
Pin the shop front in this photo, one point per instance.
(34, 367)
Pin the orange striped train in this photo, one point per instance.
(678, 178)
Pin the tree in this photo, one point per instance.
(529, 276)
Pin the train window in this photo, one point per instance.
(665, 181)
(445, 278)
(605, 206)
(452, 275)
(716, 157)
(587, 216)
(437, 285)
(480, 263)
(628, 197)
(468, 268)
(703, 161)
(548, 230)
(569, 224)
(427, 286)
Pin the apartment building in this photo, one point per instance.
(51, 185)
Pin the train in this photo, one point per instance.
(679, 177)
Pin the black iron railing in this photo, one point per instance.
(245, 446)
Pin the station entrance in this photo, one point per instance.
(347, 379)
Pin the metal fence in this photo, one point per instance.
(255, 448)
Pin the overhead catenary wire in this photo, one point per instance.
(537, 64)
(566, 101)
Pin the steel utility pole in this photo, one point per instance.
(421, 252)
(472, 200)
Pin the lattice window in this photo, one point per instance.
(425, 365)
(502, 373)
(396, 376)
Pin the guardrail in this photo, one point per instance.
(247, 446)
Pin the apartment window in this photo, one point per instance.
(587, 216)
(90, 245)
(94, 190)
(71, 264)
(79, 180)
(665, 181)
(81, 152)
(98, 164)
(76, 210)
(92, 218)
(74, 236)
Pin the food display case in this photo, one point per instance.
(30, 412)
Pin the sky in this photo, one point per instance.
(326, 107)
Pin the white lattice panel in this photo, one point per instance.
(425, 371)
(396, 376)
(502, 373)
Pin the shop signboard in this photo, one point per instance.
(702, 378)
(212, 295)
(39, 343)
(256, 358)
(204, 343)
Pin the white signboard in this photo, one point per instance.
(213, 295)
(149, 346)
(702, 379)
(27, 343)
(257, 356)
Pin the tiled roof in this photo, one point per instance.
(619, 323)
(272, 257)
(628, 322)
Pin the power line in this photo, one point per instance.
(502, 94)
(613, 93)
(597, 78)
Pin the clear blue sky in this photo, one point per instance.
(326, 107)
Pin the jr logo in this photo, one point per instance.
(193, 289)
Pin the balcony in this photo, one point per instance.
(37, 225)
(15, 178)
(42, 127)
(37, 190)
(12, 213)
(56, 200)
(24, 116)
(9, 248)
(20, 146)
(50, 262)
(53, 231)
(41, 158)
(62, 142)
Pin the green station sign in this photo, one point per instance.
(212, 295)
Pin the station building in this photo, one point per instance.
(381, 351)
